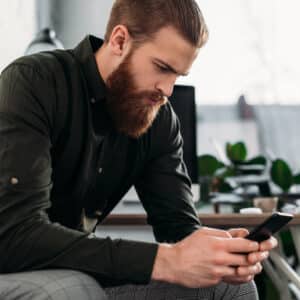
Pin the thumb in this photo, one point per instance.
(238, 232)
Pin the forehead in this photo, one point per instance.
(169, 46)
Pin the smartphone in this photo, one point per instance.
(271, 225)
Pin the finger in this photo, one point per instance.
(238, 232)
(231, 259)
(218, 272)
(249, 270)
(255, 257)
(215, 232)
(269, 244)
(240, 245)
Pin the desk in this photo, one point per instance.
(207, 219)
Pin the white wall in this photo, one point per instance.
(17, 27)
(74, 19)
(253, 49)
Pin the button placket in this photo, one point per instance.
(100, 155)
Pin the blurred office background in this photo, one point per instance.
(246, 77)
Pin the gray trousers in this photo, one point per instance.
(73, 285)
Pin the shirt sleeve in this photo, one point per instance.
(28, 240)
(165, 187)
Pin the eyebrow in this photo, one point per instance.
(170, 67)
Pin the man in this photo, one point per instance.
(77, 129)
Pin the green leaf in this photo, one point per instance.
(225, 187)
(228, 147)
(225, 172)
(281, 174)
(207, 165)
(258, 160)
(236, 152)
(297, 178)
(254, 166)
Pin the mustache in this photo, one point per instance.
(160, 98)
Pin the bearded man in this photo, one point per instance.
(78, 128)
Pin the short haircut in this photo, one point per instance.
(143, 18)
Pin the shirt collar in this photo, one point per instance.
(85, 54)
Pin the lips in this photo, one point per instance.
(154, 100)
(158, 98)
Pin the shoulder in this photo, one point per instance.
(43, 65)
(29, 87)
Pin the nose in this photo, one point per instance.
(166, 86)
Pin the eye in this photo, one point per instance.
(162, 68)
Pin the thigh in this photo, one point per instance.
(50, 285)
(166, 291)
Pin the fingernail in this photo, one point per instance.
(254, 245)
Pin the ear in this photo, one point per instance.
(120, 40)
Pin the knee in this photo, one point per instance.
(242, 291)
(50, 285)
(249, 289)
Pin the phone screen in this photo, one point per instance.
(271, 225)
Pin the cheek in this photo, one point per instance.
(145, 80)
(145, 75)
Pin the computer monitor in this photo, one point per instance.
(184, 105)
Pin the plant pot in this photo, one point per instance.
(266, 204)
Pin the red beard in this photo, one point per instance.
(132, 113)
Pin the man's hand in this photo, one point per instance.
(247, 273)
(204, 258)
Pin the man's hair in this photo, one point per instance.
(143, 18)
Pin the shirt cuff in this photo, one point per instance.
(134, 260)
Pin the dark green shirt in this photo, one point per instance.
(60, 155)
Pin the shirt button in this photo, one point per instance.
(100, 170)
(93, 100)
(98, 213)
(14, 180)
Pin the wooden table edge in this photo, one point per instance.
(213, 220)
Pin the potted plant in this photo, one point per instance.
(282, 176)
(238, 171)
(214, 175)
(207, 167)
